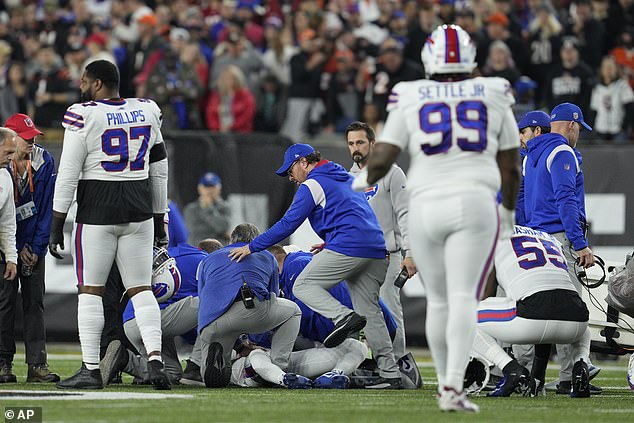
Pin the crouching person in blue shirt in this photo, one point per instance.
(241, 297)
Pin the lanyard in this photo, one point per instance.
(16, 188)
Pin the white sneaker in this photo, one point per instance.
(630, 372)
(450, 400)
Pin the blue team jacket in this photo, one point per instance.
(187, 259)
(341, 217)
(35, 230)
(220, 279)
(554, 198)
(314, 326)
(520, 212)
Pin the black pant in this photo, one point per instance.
(32, 288)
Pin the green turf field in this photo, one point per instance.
(280, 405)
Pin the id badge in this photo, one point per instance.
(25, 211)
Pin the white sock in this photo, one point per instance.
(148, 319)
(461, 328)
(90, 321)
(487, 347)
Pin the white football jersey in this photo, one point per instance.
(106, 141)
(454, 131)
(530, 261)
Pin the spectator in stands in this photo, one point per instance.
(208, 217)
(146, 52)
(270, 108)
(125, 19)
(571, 81)
(97, 44)
(51, 89)
(588, 31)
(425, 23)
(74, 59)
(279, 50)
(342, 97)
(465, 19)
(231, 105)
(386, 11)
(500, 63)
(624, 54)
(544, 41)
(245, 12)
(447, 11)
(506, 7)
(176, 88)
(304, 102)
(14, 95)
(497, 28)
(613, 102)
(398, 26)
(238, 51)
(8, 35)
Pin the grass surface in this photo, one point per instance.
(280, 405)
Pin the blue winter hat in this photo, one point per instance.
(209, 179)
(570, 113)
(534, 118)
(292, 154)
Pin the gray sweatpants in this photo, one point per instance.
(176, 319)
(565, 351)
(391, 296)
(278, 314)
(364, 277)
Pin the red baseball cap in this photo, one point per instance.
(23, 126)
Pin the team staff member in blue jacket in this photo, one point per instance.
(237, 298)
(532, 125)
(33, 173)
(554, 199)
(354, 251)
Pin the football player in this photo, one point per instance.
(541, 307)
(115, 158)
(462, 138)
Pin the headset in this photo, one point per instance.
(582, 277)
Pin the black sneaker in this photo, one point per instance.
(385, 383)
(565, 387)
(349, 324)
(83, 379)
(191, 375)
(40, 373)
(216, 374)
(114, 361)
(580, 380)
(157, 375)
(6, 372)
(517, 379)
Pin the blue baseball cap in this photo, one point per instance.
(292, 154)
(534, 118)
(570, 113)
(209, 179)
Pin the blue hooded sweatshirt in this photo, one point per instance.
(554, 198)
(341, 217)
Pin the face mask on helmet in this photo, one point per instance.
(448, 50)
(165, 275)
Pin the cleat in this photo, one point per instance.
(191, 375)
(350, 324)
(565, 387)
(113, 362)
(41, 373)
(157, 375)
(385, 383)
(410, 374)
(537, 389)
(450, 400)
(516, 380)
(332, 380)
(630, 372)
(593, 370)
(293, 381)
(217, 375)
(580, 385)
(83, 379)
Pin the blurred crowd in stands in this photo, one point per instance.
(308, 67)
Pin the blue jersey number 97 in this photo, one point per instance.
(115, 142)
(464, 116)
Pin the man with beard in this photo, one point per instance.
(115, 158)
(388, 198)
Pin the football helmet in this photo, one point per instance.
(448, 50)
(166, 278)
(476, 376)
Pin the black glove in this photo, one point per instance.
(56, 237)
(160, 237)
